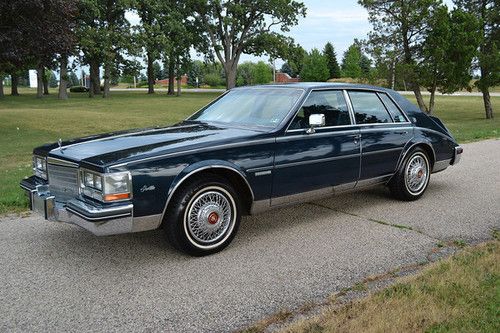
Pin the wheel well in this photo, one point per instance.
(428, 150)
(233, 177)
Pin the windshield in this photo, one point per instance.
(251, 107)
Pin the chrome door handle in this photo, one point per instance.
(357, 137)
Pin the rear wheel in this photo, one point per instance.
(204, 216)
(412, 178)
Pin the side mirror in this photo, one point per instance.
(315, 120)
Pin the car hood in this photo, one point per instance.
(121, 147)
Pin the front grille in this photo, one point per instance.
(63, 182)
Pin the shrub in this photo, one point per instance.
(213, 80)
(78, 89)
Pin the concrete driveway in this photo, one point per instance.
(57, 277)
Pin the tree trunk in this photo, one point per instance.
(431, 101)
(487, 104)
(14, 78)
(418, 96)
(95, 84)
(107, 75)
(151, 74)
(1, 86)
(39, 81)
(63, 77)
(171, 76)
(179, 78)
(45, 81)
(231, 73)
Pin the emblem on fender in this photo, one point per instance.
(146, 188)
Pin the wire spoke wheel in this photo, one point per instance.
(416, 174)
(210, 217)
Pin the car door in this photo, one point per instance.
(312, 164)
(384, 130)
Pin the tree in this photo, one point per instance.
(246, 73)
(315, 67)
(331, 60)
(262, 73)
(52, 79)
(400, 26)
(285, 68)
(447, 53)
(104, 35)
(33, 33)
(151, 34)
(195, 73)
(73, 79)
(488, 13)
(351, 62)
(235, 27)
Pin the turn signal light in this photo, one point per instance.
(117, 196)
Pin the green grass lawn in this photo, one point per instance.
(458, 294)
(26, 122)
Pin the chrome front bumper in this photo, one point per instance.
(101, 221)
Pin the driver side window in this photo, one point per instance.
(331, 103)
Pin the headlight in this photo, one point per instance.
(106, 187)
(40, 167)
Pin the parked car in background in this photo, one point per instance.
(250, 150)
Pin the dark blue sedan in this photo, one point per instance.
(250, 150)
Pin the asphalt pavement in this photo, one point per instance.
(56, 277)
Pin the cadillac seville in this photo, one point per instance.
(250, 150)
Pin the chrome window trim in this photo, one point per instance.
(215, 166)
(349, 107)
(376, 93)
(397, 106)
(317, 134)
(304, 101)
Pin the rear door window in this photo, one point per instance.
(368, 108)
(396, 113)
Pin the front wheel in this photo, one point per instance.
(204, 216)
(411, 180)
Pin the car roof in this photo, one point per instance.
(318, 85)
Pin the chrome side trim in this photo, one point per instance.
(302, 197)
(374, 181)
(382, 151)
(181, 181)
(57, 161)
(328, 159)
(263, 173)
(195, 150)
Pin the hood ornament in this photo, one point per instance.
(59, 142)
